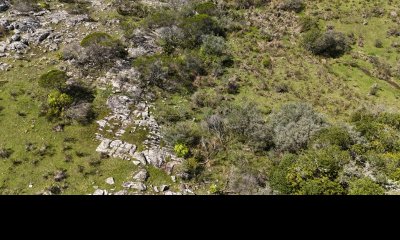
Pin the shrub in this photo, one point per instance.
(26, 5)
(54, 79)
(97, 38)
(365, 186)
(373, 91)
(181, 150)
(208, 8)
(57, 103)
(328, 44)
(321, 186)
(77, 7)
(132, 8)
(186, 132)
(337, 136)
(100, 49)
(5, 152)
(191, 167)
(82, 113)
(194, 27)
(308, 23)
(245, 4)
(278, 176)
(314, 164)
(213, 45)
(378, 43)
(293, 5)
(293, 126)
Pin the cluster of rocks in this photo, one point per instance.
(138, 185)
(35, 29)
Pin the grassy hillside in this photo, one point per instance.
(250, 96)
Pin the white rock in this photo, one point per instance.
(98, 192)
(110, 181)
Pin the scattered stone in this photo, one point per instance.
(173, 178)
(110, 181)
(141, 176)
(156, 189)
(122, 192)
(135, 162)
(135, 185)
(99, 192)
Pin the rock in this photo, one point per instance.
(156, 189)
(16, 37)
(43, 36)
(173, 178)
(103, 147)
(172, 193)
(169, 167)
(140, 157)
(122, 192)
(4, 5)
(164, 188)
(135, 162)
(82, 113)
(155, 156)
(17, 46)
(135, 185)
(102, 123)
(110, 181)
(4, 66)
(99, 192)
(60, 175)
(141, 176)
(393, 14)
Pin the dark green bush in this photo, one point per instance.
(54, 79)
(328, 44)
(293, 5)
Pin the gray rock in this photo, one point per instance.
(104, 146)
(16, 37)
(141, 176)
(17, 46)
(135, 185)
(155, 156)
(110, 181)
(140, 157)
(43, 36)
(122, 192)
(99, 192)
